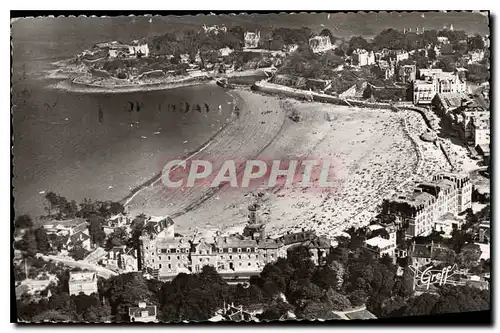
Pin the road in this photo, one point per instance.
(101, 271)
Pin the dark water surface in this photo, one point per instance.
(97, 145)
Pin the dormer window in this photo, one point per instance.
(249, 250)
(239, 250)
(230, 250)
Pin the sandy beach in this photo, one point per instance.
(244, 138)
(371, 156)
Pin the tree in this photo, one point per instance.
(96, 230)
(118, 237)
(326, 277)
(327, 32)
(431, 53)
(303, 291)
(469, 255)
(357, 42)
(42, 240)
(300, 259)
(390, 38)
(336, 301)
(54, 202)
(446, 64)
(315, 310)
(97, 314)
(23, 222)
(52, 316)
(193, 296)
(78, 253)
(127, 290)
(339, 52)
(357, 297)
(445, 255)
(87, 208)
(28, 243)
(275, 310)
(420, 305)
(456, 299)
(83, 302)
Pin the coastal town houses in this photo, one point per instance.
(143, 313)
(480, 132)
(434, 81)
(401, 55)
(466, 116)
(320, 44)
(385, 69)
(214, 29)
(138, 49)
(425, 254)
(68, 233)
(290, 48)
(362, 57)
(443, 40)
(82, 282)
(113, 49)
(66, 227)
(381, 241)
(427, 202)
(252, 39)
(81, 239)
(407, 73)
(164, 255)
(475, 56)
(447, 223)
(117, 221)
(470, 119)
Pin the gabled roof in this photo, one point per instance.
(78, 237)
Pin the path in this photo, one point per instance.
(101, 271)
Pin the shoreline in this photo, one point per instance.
(153, 180)
(76, 86)
(253, 125)
(76, 76)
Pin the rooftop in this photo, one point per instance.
(82, 276)
(374, 227)
(378, 242)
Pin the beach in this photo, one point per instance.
(370, 154)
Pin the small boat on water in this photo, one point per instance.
(156, 133)
(144, 137)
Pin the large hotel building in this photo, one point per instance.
(421, 208)
(165, 255)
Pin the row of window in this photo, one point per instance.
(240, 257)
(221, 250)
